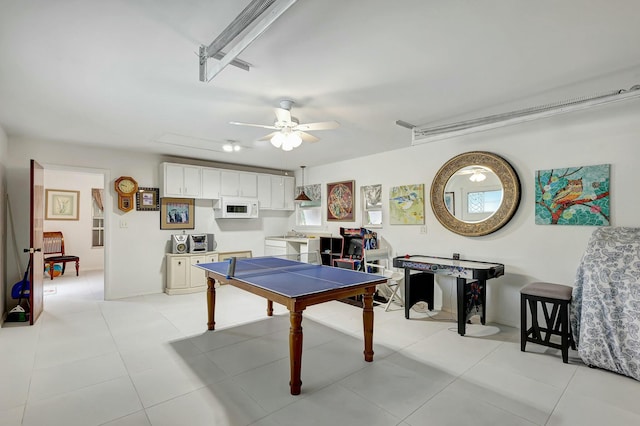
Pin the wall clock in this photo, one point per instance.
(126, 187)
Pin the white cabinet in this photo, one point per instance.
(276, 192)
(238, 184)
(210, 183)
(289, 192)
(275, 247)
(181, 180)
(264, 191)
(184, 278)
(293, 247)
(282, 189)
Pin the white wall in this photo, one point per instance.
(134, 261)
(135, 255)
(5, 289)
(77, 233)
(530, 252)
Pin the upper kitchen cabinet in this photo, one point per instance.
(210, 183)
(238, 184)
(289, 192)
(276, 192)
(264, 191)
(181, 180)
(282, 192)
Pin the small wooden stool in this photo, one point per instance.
(557, 323)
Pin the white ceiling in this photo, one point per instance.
(124, 73)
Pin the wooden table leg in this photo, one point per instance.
(269, 308)
(211, 303)
(295, 351)
(367, 321)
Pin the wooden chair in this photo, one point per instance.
(54, 244)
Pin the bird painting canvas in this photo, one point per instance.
(573, 196)
(406, 205)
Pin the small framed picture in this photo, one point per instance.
(148, 199)
(450, 202)
(62, 204)
(177, 213)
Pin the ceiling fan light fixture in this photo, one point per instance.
(286, 139)
(231, 147)
(295, 139)
(278, 140)
(477, 176)
(289, 133)
(287, 144)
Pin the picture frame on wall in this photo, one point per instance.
(341, 201)
(371, 206)
(148, 199)
(177, 213)
(450, 202)
(61, 204)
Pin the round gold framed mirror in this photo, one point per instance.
(485, 203)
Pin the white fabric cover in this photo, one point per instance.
(605, 314)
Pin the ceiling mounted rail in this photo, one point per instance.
(423, 134)
(267, 10)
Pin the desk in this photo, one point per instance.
(296, 285)
(471, 279)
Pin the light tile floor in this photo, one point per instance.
(149, 360)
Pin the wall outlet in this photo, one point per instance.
(423, 229)
(123, 223)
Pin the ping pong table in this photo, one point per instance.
(295, 285)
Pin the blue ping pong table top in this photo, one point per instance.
(291, 278)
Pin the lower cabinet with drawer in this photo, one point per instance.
(183, 277)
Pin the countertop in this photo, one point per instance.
(292, 239)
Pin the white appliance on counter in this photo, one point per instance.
(237, 208)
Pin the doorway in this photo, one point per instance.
(79, 233)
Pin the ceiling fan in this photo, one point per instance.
(478, 173)
(289, 133)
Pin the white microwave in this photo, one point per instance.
(237, 208)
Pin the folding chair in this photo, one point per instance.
(391, 288)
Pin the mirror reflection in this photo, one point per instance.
(473, 193)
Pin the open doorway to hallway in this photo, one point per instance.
(83, 232)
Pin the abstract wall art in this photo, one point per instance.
(341, 201)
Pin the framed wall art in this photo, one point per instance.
(372, 206)
(177, 213)
(573, 196)
(148, 199)
(406, 205)
(450, 202)
(341, 201)
(61, 204)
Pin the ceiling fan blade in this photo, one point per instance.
(253, 125)
(268, 137)
(283, 115)
(306, 137)
(323, 125)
